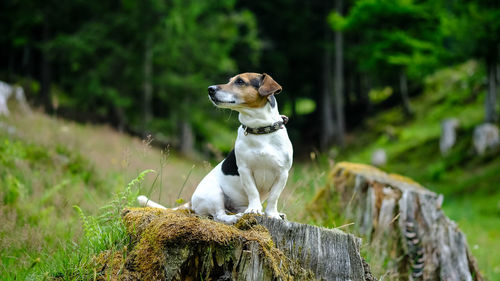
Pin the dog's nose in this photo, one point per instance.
(212, 90)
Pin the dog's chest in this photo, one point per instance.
(265, 164)
(266, 156)
(268, 152)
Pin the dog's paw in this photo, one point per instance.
(276, 215)
(254, 210)
(228, 219)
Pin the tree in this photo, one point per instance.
(395, 40)
(339, 79)
(327, 109)
(140, 65)
(474, 29)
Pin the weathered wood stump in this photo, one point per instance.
(409, 235)
(178, 245)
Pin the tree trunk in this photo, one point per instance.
(365, 88)
(405, 98)
(177, 245)
(408, 235)
(491, 95)
(498, 74)
(187, 138)
(148, 83)
(328, 126)
(339, 80)
(46, 72)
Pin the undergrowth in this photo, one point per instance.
(102, 232)
(35, 182)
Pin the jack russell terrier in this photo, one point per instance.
(257, 168)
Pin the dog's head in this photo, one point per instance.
(246, 90)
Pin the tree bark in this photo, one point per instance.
(148, 83)
(328, 126)
(365, 88)
(491, 95)
(405, 98)
(177, 245)
(187, 138)
(46, 72)
(407, 233)
(339, 80)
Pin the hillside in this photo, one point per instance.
(48, 166)
(470, 183)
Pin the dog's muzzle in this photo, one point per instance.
(211, 91)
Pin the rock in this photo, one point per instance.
(379, 157)
(178, 245)
(6, 91)
(448, 134)
(408, 233)
(485, 137)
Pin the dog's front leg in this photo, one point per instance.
(248, 182)
(272, 200)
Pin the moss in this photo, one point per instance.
(110, 265)
(371, 172)
(179, 245)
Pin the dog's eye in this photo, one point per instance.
(239, 81)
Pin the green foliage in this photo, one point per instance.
(304, 106)
(473, 29)
(393, 35)
(378, 95)
(336, 21)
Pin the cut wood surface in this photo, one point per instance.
(408, 233)
(178, 245)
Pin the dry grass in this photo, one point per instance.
(113, 152)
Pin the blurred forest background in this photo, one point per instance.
(144, 66)
(358, 76)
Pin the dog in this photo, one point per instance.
(258, 166)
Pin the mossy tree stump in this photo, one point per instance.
(409, 235)
(178, 245)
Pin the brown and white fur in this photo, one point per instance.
(257, 168)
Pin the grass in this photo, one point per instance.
(48, 166)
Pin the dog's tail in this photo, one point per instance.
(145, 202)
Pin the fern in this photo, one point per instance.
(83, 218)
(107, 231)
(125, 198)
(139, 178)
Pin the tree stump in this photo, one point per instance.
(178, 245)
(409, 236)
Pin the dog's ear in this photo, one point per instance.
(268, 86)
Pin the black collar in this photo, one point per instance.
(266, 129)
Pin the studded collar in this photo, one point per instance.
(266, 129)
